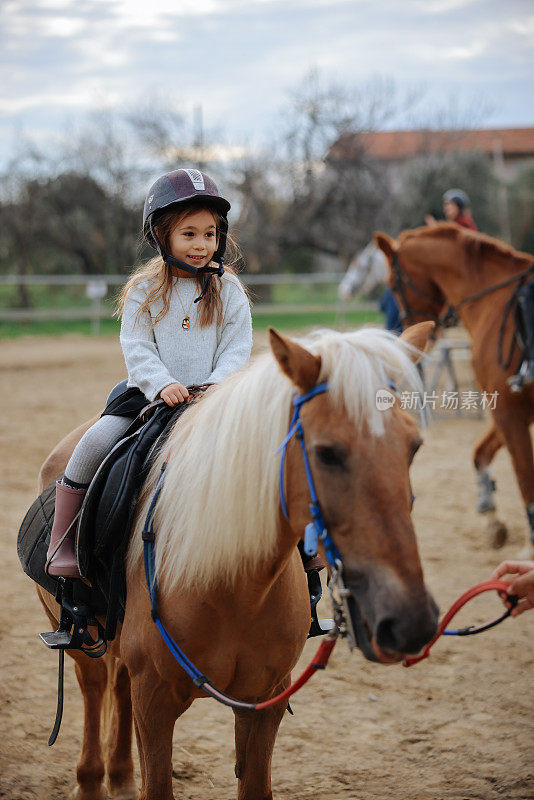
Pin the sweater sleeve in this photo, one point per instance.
(235, 344)
(139, 347)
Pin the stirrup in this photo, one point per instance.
(524, 377)
(72, 633)
(318, 627)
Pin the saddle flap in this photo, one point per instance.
(107, 513)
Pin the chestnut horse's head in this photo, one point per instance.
(360, 444)
(418, 295)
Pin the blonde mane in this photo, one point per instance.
(218, 512)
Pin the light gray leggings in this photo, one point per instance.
(94, 446)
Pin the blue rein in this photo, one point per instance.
(316, 529)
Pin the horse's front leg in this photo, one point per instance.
(255, 735)
(155, 714)
(484, 453)
(119, 762)
(92, 677)
(515, 431)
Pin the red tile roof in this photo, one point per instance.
(390, 145)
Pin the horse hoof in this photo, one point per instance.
(84, 794)
(498, 533)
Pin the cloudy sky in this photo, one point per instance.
(239, 58)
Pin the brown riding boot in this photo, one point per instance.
(313, 562)
(61, 558)
(310, 562)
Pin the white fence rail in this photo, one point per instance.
(96, 288)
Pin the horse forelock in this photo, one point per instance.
(218, 513)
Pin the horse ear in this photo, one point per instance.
(386, 244)
(417, 336)
(300, 366)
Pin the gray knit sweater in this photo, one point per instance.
(157, 355)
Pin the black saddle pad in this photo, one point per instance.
(32, 544)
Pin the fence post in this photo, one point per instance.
(96, 290)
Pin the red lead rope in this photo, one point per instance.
(486, 586)
(320, 661)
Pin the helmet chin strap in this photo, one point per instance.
(189, 268)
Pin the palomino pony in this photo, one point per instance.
(232, 590)
(477, 275)
(367, 270)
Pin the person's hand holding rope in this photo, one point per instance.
(522, 585)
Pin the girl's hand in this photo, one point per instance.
(522, 586)
(174, 394)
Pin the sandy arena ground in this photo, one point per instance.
(459, 726)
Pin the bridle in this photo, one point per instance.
(348, 620)
(408, 315)
(450, 316)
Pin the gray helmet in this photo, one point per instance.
(179, 188)
(457, 196)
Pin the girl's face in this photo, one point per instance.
(194, 238)
(451, 210)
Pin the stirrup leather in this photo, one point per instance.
(72, 634)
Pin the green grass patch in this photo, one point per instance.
(315, 319)
(45, 327)
(43, 296)
(261, 321)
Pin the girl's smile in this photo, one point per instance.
(194, 239)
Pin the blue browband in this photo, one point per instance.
(316, 529)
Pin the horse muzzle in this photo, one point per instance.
(389, 624)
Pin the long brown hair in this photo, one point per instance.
(160, 277)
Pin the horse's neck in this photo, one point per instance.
(468, 277)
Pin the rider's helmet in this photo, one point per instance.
(181, 187)
(457, 196)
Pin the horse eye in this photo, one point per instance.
(415, 447)
(331, 455)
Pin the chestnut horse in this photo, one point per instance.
(232, 590)
(445, 265)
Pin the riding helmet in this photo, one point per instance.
(180, 187)
(457, 196)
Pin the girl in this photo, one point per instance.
(170, 337)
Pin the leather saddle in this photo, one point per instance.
(106, 516)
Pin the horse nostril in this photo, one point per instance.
(407, 635)
(385, 634)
